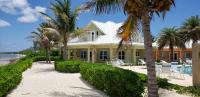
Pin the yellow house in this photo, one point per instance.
(99, 44)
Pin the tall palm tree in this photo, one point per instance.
(139, 12)
(191, 29)
(46, 39)
(64, 21)
(170, 37)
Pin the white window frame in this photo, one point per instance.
(121, 55)
(83, 54)
(103, 55)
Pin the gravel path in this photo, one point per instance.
(43, 81)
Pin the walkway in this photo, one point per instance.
(43, 81)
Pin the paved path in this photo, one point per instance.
(43, 81)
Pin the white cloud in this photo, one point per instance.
(4, 23)
(21, 7)
(31, 15)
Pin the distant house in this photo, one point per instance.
(99, 43)
(183, 54)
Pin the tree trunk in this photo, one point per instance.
(171, 53)
(46, 50)
(64, 51)
(150, 62)
(48, 54)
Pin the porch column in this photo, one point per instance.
(111, 53)
(88, 55)
(93, 55)
(134, 56)
(68, 53)
(74, 54)
(128, 56)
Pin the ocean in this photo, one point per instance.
(5, 58)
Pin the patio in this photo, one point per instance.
(187, 81)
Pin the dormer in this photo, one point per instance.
(92, 35)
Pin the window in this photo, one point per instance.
(97, 33)
(92, 36)
(137, 53)
(103, 55)
(83, 54)
(187, 55)
(121, 55)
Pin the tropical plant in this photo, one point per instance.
(190, 29)
(170, 37)
(64, 21)
(45, 38)
(139, 12)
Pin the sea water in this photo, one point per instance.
(5, 58)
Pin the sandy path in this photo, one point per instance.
(43, 81)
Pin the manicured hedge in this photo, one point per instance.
(43, 58)
(11, 75)
(67, 66)
(115, 82)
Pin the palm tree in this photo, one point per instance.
(170, 37)
(139, 12)
(191, 29)
(46, 39)
(64, 21)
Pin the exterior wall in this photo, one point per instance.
(164, 54)
(130, 54)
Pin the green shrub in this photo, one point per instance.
(11, 75)
(115, 82)
(67, 66)
(54, 52)
(43, 58)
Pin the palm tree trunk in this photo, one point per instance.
(64, 51)
(46, 50)
(171, 53)
(151, 73)
(48, 54)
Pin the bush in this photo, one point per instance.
(11, 75)
(67, 66)
(115, 82)
(43, 58)
(55, 52)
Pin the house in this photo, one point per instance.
(99, 43)
(183, 54)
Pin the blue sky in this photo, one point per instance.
(19, 17)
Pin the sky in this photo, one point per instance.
(20, 17)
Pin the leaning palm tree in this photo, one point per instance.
(190, 29)
(139, 12)
(46, 39)
(170, 37)
(64, 21)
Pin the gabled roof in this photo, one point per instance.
(109, 29)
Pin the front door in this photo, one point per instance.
(175, 56)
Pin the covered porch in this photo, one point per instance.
(106, 52)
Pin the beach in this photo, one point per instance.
(5, 58)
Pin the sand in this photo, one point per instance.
(43, 81)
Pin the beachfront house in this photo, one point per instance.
(99, 44)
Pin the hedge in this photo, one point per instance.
(11, 75)
(107, 79)
(67, 66)
(113, 81)
(43, 58)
